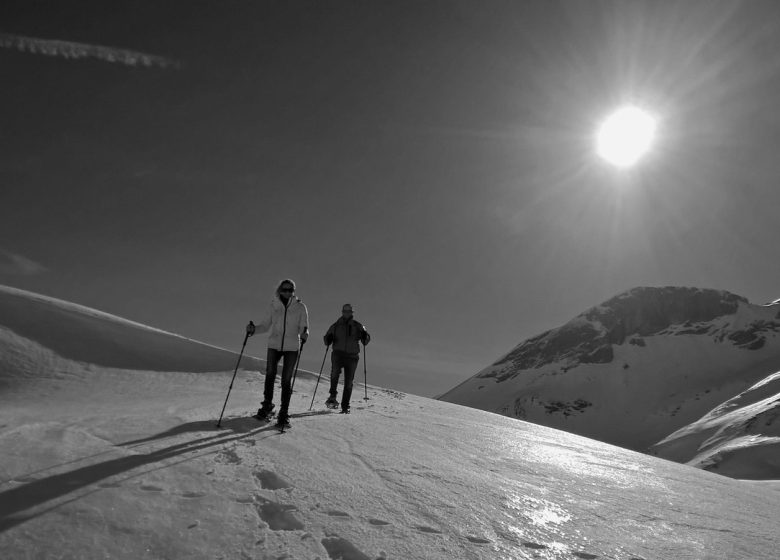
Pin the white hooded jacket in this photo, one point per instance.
(286, 324)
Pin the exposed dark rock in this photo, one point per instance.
(601, 355)
(751, 338)
(703, 329)
(565, 407)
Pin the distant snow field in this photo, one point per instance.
(123, 460)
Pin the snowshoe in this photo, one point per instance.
(283, 423)
(265, 413)
(344, 411)
(332, 403)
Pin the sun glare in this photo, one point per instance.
(625, 136)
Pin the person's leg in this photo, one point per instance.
(335, 372)
(288, 367)
(272, 361)
(350, 366)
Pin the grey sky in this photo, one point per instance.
(430, 162)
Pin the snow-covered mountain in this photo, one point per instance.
(739, 438)
(104, 462)
(636, 368)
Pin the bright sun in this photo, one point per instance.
(625, 136)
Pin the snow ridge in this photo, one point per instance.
(82, 334)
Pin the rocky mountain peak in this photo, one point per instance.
(646, 311)
(627, 317)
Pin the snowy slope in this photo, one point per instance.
(102, 462)
(634, 369)
(739, 438)
(83, 334)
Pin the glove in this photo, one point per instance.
(250, 328)
(328, 340)
(304, 337)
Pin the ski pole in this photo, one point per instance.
(295, 373)
(320, 375)
(219, 422)
(365, 375)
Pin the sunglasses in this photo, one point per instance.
(290, 290)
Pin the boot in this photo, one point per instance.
(332, 402)
(265, 411)
(283, 422)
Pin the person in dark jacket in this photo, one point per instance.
(345, 335)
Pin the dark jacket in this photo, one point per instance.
(345, 335)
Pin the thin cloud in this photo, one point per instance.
(71, 50)
(17, 265)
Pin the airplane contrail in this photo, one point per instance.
(69, 49)
(18, 265)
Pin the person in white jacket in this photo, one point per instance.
(287, 321)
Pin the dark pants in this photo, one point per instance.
(288, 366)
(339, 361)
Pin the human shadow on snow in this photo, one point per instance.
(16, 500)
(240, 425)
(243, 424)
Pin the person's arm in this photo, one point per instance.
(328, 338)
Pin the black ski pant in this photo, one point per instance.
(339, 361)
(288, 367)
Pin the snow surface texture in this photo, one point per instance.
(640, 367)
(101, 462)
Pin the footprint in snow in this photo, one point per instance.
(269, 480)
(585, 555)
(109, 485)
(337, 513)
(279, 517)
(378, 522)
(534, 545)
(425, 529)
(193, 494)
(477, 540)
(342, 549)
(151, 488)
(228, 456)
